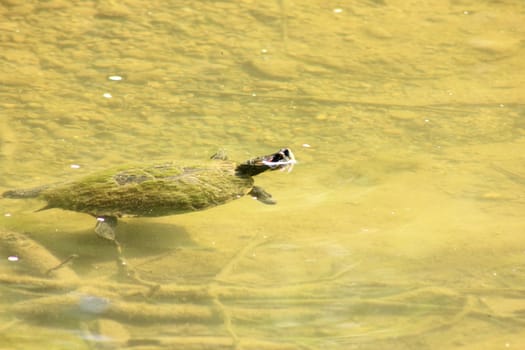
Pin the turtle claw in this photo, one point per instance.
(261, 195)
(220, 155)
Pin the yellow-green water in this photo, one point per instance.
(401, 227)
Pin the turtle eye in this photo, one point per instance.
(286, 152)
(277, 157)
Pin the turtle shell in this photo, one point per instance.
(155, 190)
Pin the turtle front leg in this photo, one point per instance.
(261, 195)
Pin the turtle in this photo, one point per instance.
(158, 189)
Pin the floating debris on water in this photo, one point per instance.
(115, 77)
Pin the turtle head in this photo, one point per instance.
(282, 160)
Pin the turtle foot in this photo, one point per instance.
(261, 195)
(105, 227)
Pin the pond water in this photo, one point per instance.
(401, 226)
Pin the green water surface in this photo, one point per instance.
(401, 227)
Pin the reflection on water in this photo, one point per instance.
(400, 227)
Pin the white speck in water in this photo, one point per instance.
(115, 77)
(12, 258)
(254, 94)
(107, 95)
(305, 145)
(264, 51)
(74, 166)
(7, 215)
(338, 10)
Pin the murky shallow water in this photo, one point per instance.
(400, 227)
